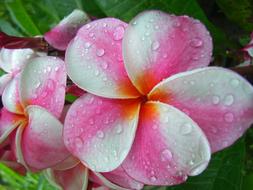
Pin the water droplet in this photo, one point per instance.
(78, 142)
(87, 26)
(147, 34)
(155, 45)
(156, 27)
(134, 23)
(100, 52)
(176, 23)
(104, 65)
(100, 134)
(197, 168)
(87, 45)
(96, 72)
(191, 162)
(153, 178)
(119, 129)
(234, 82)
(50, 84)
(192, 82)
(37, 85)
(214, 130)
(229, 117)
(91, 121)
(118, 33)
(215, 99)
(155, 126)
(229, 100)
(166, 155)
(186, 128)
(104, 25)
(196, 42)
(91, 34)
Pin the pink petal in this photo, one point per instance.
(60, 36)
(99, 179)
(43, 83)
(8, 123)
(13, 60)
(100, 131)
(157, 45)
(94, 60)
(10, 96)
(75, 178)
(4, 80)
(219, 100)
(17, 143)
(66, 164)
(168, 146)
(121, 178)
(42, 143)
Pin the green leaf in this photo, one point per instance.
(240, 12)
(127, 9)
(21, 17)
(225, 171)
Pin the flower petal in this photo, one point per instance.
(121, 178)
(100, 131)
(94, 60)
(219, 100)
(66, 164)
(8, 123)
(65, 31)
(4, 80)
(10, 96)
(99, 179)
(13, 60)
(168, 146)
(42, 142)
(157, 45)
(75, 178)
(43, 83)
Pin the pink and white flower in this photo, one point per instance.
(60, 36)
(33, 101)
(12, 62)
(151, 108)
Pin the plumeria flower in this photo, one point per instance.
(12, 61)
(71, 174)
(152, 107)
(77, 176)
(33, 102)
(8, 158)
(65, 31)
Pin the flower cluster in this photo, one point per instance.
(148, 111)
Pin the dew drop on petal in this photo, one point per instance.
(119, 129)
(234, 82)
(104, 65)
(186, 128)
(196, 42)
(155, 45)
(229, 100)
(100, 52)
(176, 23)
(215, 99)
(100, 134)
(118, 33)
(87, 45)
(78, 142)
(166, 155)
(153, 178)
(229, 117)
